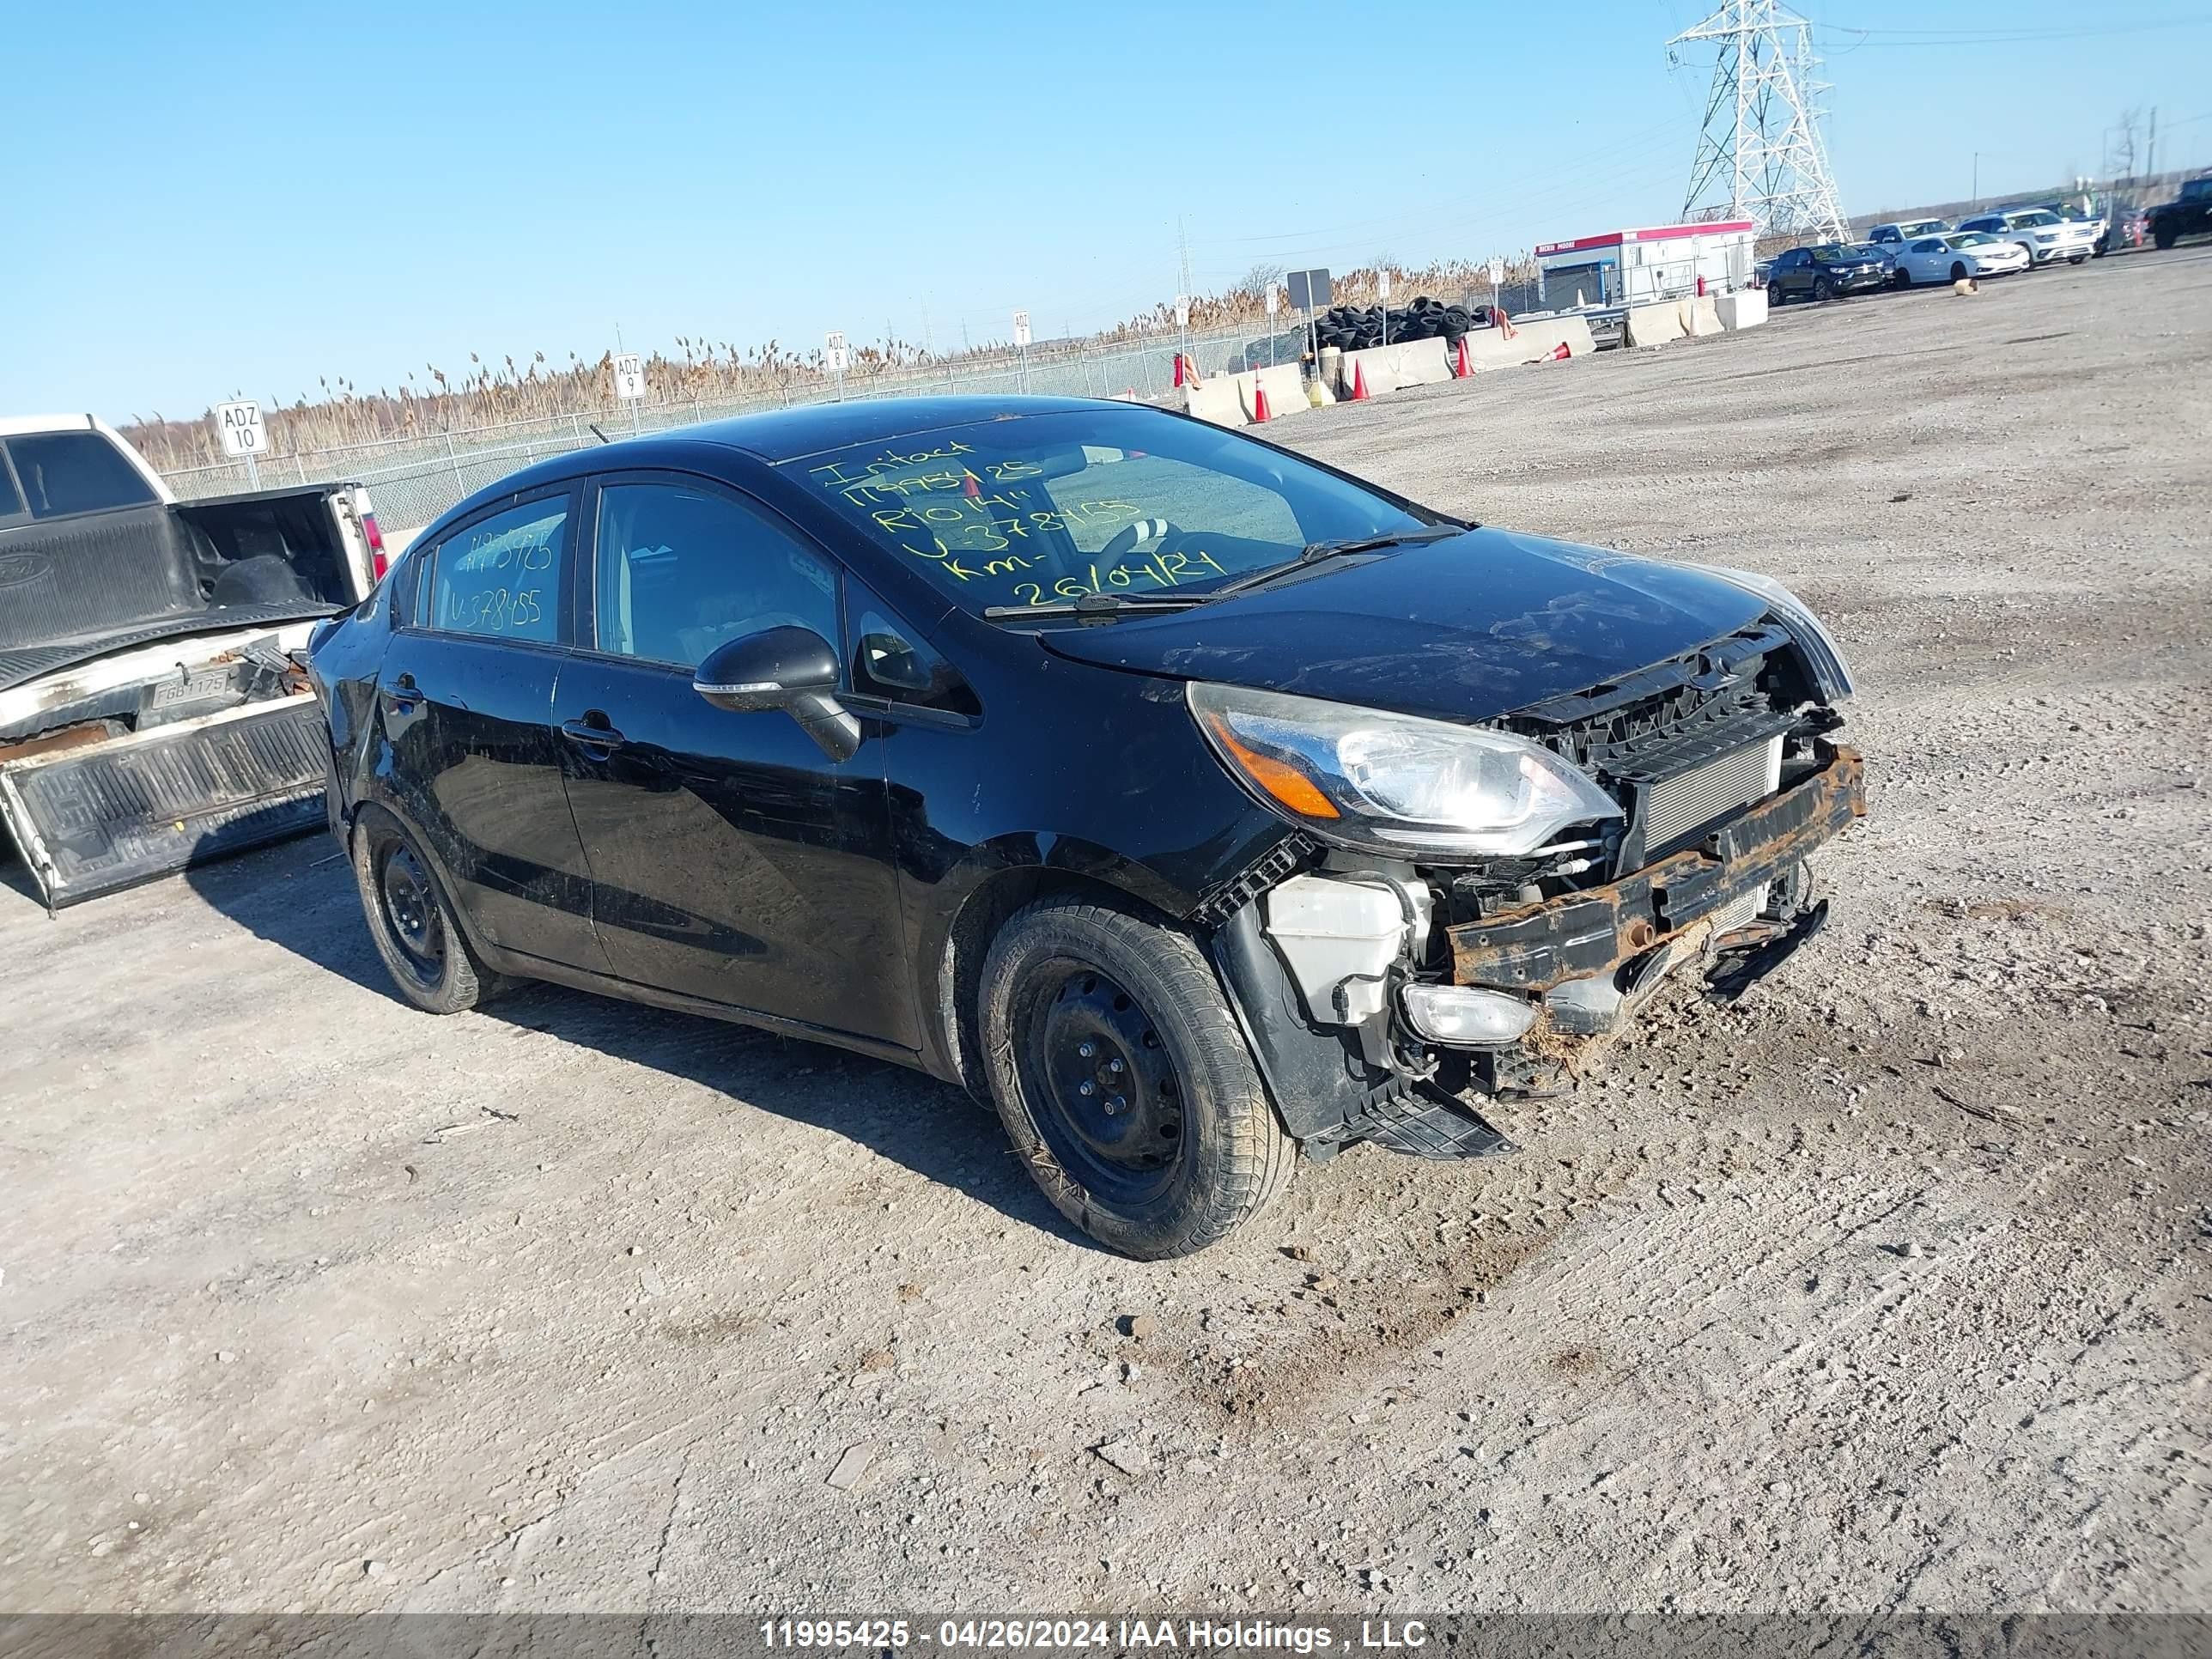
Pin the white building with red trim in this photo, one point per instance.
(1658, 262)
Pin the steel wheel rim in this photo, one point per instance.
(411, 911)
(1108, 1101)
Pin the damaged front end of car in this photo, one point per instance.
(1666, 820)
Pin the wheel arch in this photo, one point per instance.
(955, 963)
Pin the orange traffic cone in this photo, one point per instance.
(1178, 379)
(1259, 401)
(1462, 369)
(1358, 383)
(1559, 352)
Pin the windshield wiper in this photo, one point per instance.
(1100, 606)
(1315, 552)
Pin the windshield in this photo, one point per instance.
(1923, 227)
(2040, 217)
(2196, 190)
(1972, 239)
(1043, 509)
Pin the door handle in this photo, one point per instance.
(591, 732)
(404, 692)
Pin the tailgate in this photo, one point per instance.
(89, 820)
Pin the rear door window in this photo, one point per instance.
(500, 577)
(64, 473)
(11, 499)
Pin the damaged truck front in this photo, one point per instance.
(152, 712)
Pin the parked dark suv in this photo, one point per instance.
(1826, 272)
(1190, 800)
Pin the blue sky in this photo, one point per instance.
(248, 198)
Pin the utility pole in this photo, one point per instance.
(2150, 148)
(1760, 154)
(1978, 181)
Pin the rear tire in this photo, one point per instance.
(1081, 1007)
(412, 922)
(2164, 236)
(2077, 258)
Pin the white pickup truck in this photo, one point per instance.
(152, 712)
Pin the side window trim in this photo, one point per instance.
(585, 595)
(422, 617)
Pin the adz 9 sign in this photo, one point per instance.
(629, 376)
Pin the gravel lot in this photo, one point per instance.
(1886, 1290)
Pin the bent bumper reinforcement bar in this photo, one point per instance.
(1534, 947)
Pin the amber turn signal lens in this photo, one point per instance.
(1293, 787)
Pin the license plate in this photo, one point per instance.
(197, 687)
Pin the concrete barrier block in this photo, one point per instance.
(1216, 399)
(1744, 310)
(1656, 324)
(1532, 341)
(1700, 318)
(1377, 366)
(1423, 362)
(1286, 390)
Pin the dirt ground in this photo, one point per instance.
(1886, 1289)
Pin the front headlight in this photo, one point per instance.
(1824, 658)
(1394, 783)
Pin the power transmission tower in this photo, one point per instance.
(1759, 155)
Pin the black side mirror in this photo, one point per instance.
(794, 669)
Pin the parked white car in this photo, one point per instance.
(1891, 238)
(1962, 253)
(2045, 235)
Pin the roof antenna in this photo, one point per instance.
(596, 433)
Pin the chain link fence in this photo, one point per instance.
(415, 477)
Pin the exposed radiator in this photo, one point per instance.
(1675, 809)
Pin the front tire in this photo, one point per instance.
(1824, 290)
(412, 922)
(1124, 1080)
(1902, 278)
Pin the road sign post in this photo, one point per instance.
(1273, 301)
(834, 358)
(1183, 331)
(1496, 277)
(630, 384)
(1382, 293)
(1310, 292)
(244, 437)
(1022, 344)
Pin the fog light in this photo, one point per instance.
(1470, 1019)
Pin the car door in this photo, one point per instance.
(732, 860)
(1792, 273)
(466, 694)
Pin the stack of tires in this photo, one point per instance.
(1355, 328)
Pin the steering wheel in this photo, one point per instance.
(1125, 539)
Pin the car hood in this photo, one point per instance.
(1466, 629)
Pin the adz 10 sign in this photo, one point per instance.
(243, 434)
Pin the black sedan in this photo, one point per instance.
(1825, 272)
(1192, 802)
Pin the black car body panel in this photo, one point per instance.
(602, 824)
(1468, 628)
